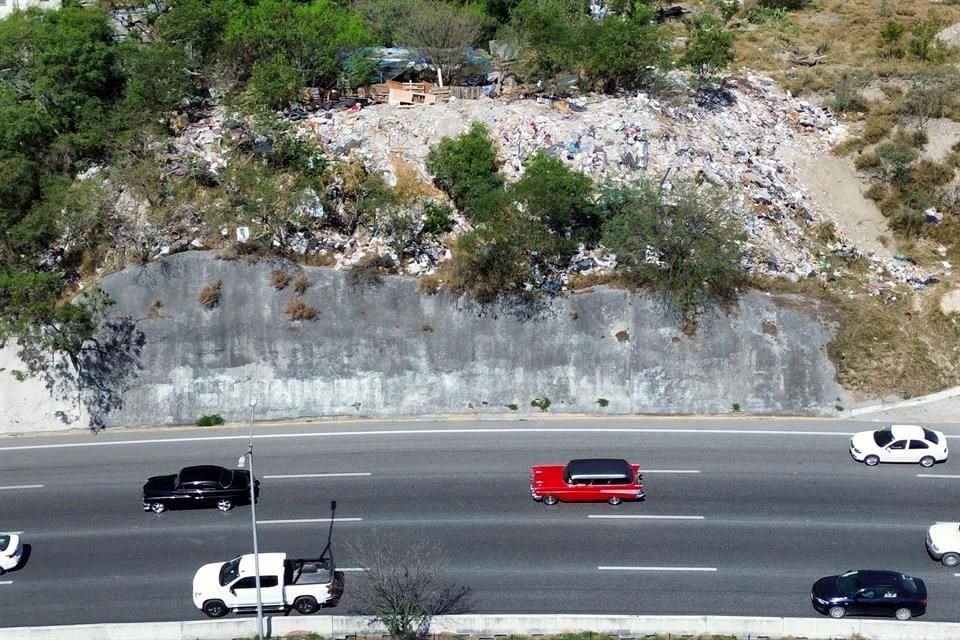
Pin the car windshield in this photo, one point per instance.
(883, 437)
(908, 584)
(847, 583)
(229, 571)
(930, 436)
(4, 542)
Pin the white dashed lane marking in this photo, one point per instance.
(14, 487)
(608, 517)
(309, 520)
(319, 475)
(642, 471)
(937, 475)
(704, 569)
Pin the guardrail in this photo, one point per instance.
(491, 626)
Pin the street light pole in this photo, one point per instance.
(253, 521)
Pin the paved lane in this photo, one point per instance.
(777, 512)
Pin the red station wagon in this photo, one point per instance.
(588, 480)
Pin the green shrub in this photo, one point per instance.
(789, 5)
(891, 39)
(437, 220)
(466, 168)
(709, 47)
(541, 403)
(848, 92)
(603, 402)
(623, 54)
(209, 421)
(275, 83)
(560, 198)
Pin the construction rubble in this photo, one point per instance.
(739, 139)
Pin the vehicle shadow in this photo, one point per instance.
(24, 558)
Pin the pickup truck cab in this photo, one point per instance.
(943, 543)
(304, 585)
(587, 480)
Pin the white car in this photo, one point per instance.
(11, 551)
(943, 543)
(899, 443)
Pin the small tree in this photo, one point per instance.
(709, 47)
(404, 587)
(686, 243)
(442, 33)
(624, 53)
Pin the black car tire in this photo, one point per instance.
(158, 507)
(903, 614)
(950, 559)
(306, 605)
(2, 571)
(615, 500)
(224, 504)
(837, 612)
(871, 460)
(927, 461)
(551, 500)
(215, 608)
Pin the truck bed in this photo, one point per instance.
(319, 571)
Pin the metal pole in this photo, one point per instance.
(253, 520)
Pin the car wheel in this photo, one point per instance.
(215, 608)
(950, 559)
(306, 605)
(837, 612)
(903, 614)
(871, 460)
(158, 507)
(224, 504)
(550, 500)
(2, 571)
(615, 500)
(927, 461)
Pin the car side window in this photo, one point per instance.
(268, 581)
(246, 583)
(899, 444)
(868, 594)
(918, 444)
(890, 593)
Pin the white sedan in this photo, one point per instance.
(10, 551)
(943, 543)
(899, 443)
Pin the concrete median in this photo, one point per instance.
(497, 625)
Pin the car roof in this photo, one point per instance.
(875, 578)
(904, 431)
(201, 473)
(599, 468)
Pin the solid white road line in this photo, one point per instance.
(318, 475)
(309, 520)
(657, 568)
(6, 581)
(936, 475)
(642, 471)
(433, 432)
(351, 569)
(956, 575)
(21, 486)
(647, 517)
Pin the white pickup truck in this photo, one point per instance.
(943, 543)
(304, 585)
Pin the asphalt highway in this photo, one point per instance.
(742, 515)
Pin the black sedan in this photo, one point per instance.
(204, 485)
(870, 593)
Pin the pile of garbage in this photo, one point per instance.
(738, 137)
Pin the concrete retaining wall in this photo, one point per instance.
(488, 626)
(390, 350)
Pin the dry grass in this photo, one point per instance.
(298, 309)
(209, 295)
(279, 279)
(410, 185)
(300, 284)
